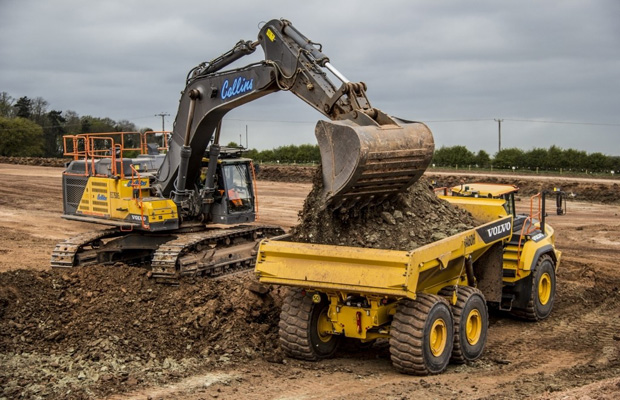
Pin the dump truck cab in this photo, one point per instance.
(499, 195)
(532, 240)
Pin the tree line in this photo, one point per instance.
(290, 154)
(538, 159)
(29, 129)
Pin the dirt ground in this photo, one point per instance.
(112, 333)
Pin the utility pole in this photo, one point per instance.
(162, 115)
(499, 133)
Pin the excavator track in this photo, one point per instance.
(69, 253)
(211, 253)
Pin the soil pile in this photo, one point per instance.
(104, 326)
(286, 173)
(44, 162)
(607, 193)
(404, 222)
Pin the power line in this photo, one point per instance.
(523, 120)
(162, 115)
(457, 120)
(562, 122)
(270, 121)
(422, 120)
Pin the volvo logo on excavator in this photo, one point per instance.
(239, 85)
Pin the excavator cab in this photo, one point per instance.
(235, 202)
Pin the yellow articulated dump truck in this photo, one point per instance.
(430, 302)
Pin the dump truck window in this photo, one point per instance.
(509, 204)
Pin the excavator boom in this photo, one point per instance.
(366, 154)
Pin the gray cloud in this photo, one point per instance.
(422, 60)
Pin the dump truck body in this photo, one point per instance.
(377, 272)
(366, 294)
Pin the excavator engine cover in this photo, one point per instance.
(365, 164)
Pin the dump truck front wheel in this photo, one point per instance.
(422, 335)
(305, 328)
(543, 290)
(471, 322)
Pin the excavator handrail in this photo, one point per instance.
(144, 141)
(123, 139)
(136, 185)
(106, 152)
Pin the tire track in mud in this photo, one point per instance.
(575, 347)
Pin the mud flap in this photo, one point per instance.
(364, 164)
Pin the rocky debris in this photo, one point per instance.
(409, 220)
(104, 326)
(41, 161)
(286, 173)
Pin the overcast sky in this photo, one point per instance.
(456, 65)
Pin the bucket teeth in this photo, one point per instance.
(365, 164)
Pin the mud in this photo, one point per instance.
(95, 330)
(405, 222)
(38, 161)
(605, 191)
(71, 334)
(599, 190)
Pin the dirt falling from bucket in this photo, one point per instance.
(409, 220)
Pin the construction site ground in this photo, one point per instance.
(109, 332)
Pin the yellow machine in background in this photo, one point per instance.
(430, 302)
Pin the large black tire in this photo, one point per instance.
(542, 295)
(422, 335)
(471, 323)
(301, 335)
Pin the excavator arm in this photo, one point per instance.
(366, 154)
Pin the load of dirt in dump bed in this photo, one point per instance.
(404, 222)
(101, 327)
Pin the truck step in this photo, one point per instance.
(510, 256)
(509, 273)
(506, 303)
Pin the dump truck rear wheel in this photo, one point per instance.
(305, 329)
(542, 295)
(422, 335)
(471, 322)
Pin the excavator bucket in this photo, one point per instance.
(365, 164)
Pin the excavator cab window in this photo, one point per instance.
(238, 187)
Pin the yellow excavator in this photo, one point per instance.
(192, 210)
